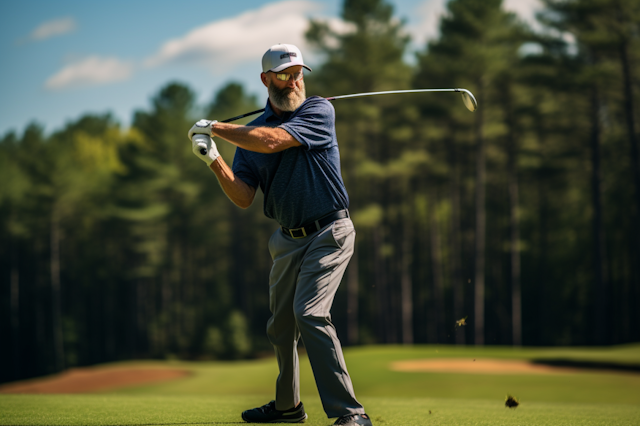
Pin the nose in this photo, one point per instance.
(291, 83)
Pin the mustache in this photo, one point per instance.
(287, 98)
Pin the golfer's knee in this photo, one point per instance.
(280, 340)
(305, 319)
(280, 337)
(300, 314)
(273, 337)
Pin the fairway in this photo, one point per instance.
(224, 410)
(216, 392)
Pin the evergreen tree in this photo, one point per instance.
(604, 30)
(373, 141)
(476, 48)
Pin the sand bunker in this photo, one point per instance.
(478, 366)
(81, 380)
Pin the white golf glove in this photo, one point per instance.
(204, 148)
(202, 127)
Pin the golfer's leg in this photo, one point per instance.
(320, 275)
(281, 328)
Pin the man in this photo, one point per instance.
(291, 153)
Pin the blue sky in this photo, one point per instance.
(64, 58)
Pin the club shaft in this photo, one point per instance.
(357, 95)
(229, 120)
(393, 92)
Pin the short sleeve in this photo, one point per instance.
(242, 169)
(313, 124)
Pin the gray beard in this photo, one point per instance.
(287, 99)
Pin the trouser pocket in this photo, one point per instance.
(341, 229)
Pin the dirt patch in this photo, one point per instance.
(478, 366)
(93, 379)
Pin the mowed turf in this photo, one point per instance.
(224, 410)
(216, 392)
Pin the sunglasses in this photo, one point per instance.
(286, 77)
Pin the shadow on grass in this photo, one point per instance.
(157, 424)
(589, 365)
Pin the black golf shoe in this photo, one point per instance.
(268, 414)
(354, 420)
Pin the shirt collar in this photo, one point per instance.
(269, 113)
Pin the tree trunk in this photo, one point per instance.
(405, 275)
(634, 249)
(437, 301)
(480, 222)
(457, 284)
(601, 290)
(165, 312)
(236, 271)
(516, 303)
(379, 280)
(153, 295)
(56, 300)
(15, 312)
(514, 222)
(543, 236)
(630, 119)
(108, 319)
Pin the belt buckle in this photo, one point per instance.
(304, 233)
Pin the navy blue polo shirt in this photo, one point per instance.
(299, 184)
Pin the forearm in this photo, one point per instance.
(266, 140)
(237, 190)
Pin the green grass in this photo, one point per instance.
(216, 392)
(123, 410)
(597, 387)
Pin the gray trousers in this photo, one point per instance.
(304, 279)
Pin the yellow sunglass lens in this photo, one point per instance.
(287, 77)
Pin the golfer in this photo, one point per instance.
(291, 153)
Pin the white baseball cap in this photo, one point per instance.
(281, 56)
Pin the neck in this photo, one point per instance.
(275, 109)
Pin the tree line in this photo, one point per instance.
(522, 217)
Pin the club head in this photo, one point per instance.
(468, 99)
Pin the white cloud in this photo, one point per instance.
(428, 14)
(221, 45)
(91, 71)
(525, 9)
(53, 28)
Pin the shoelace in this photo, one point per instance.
(344, 420)
(268, 408)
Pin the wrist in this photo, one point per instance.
(211, 157)
(214, 165)
(212, 128)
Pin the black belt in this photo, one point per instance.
(312, 227)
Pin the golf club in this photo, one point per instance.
(467, 97)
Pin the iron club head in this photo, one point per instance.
(468, 99)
